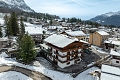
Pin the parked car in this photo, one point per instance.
(88, 51)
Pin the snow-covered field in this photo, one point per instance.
(12, 75)
(55, 75)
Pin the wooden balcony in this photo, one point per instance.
(68, 60)
(64, 56)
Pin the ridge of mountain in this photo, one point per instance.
(15, 5)
(110, 18)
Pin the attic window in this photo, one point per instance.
(117, 61)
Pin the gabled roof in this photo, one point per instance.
(102, 33)
(59, 40)
(76, 33)
(116, 42)
(34, 30)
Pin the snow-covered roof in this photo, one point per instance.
(31, 25)
(114, 53)
(54, 27)
(110, 72)
(44, 45)
(59, 40)
(34, 30)
(116, 42)
(76, 33)
(111, 69)
(107, 41)
(102, 33)
(105, 76)
(4, 39)
(83, 41)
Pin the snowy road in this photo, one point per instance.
(32, 74)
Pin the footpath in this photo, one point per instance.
(34, 75)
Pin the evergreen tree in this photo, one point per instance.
(13, 23)
(8, 30)
(63, 19)
(43, 35)
(22, 31)
(1, 32)
(51, 22)
(6, 20)
(26, 50)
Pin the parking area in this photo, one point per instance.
(89, 56)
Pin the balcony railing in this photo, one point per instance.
(74, 58)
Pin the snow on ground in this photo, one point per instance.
(12, 75)
(4, 55)
(1, 21)
(45, 63)
(54, 75)
(99, 50)
(86, 74)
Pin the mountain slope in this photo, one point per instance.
(111, 18)
(15, 5)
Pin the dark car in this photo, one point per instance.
(87, 51)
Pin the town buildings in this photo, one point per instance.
(4, 42)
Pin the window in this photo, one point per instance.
(68, 53)
(76, 46)
(117, 61)
(68, 63)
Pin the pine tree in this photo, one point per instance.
(1, 34)
(26, 51)
(8, 30)
(22, 26)
(51, 22)
(13, 23)
(43, 35)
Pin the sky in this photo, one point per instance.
(84, 9)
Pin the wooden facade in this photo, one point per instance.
(69, 55)
(98, 39)
(37, 38)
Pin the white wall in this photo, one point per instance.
(62, 53)
(63, 65)
(79, 54)
(62, 59)
(113, 62)
(53, 50)
(79, 50)
(117, 47)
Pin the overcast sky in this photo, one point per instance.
(84, 9)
